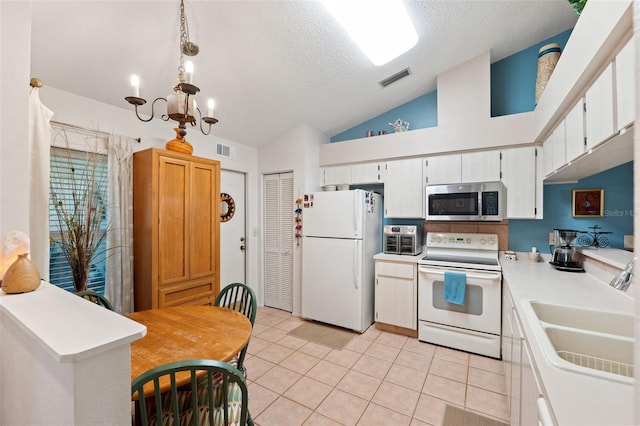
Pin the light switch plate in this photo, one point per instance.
(552, 238)
(628, 241)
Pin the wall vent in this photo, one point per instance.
(395, 77)
(226, 151)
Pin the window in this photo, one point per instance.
(84, 174)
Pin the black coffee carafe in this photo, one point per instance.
(564, 254)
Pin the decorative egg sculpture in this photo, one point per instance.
(21, 277)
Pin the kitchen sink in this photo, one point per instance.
(586, 341)
(585, 319)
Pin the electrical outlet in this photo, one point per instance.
(628, 241)
(552, 238)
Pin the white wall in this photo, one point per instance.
(296, 152)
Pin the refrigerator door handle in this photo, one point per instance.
(356, 264)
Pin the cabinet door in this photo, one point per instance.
(519, 178)
(173, 221)
(599, 114)
(507, 340)
(444, 169)
(336, 175)
(559, 156)
(574, 131)
(547, 156)
(204, 201)
(366, 173)
(625, 85)
(403, 189)
(395, 296)
(516, 355)
(481, 166)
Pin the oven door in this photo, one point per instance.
(482, 306)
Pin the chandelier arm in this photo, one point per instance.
(201, 120)
(152, 110)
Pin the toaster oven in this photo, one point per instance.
(405, 239)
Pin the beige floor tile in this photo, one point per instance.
(273, 334)
(375, 367)
(406, 377)
(292, 342)
(358, 344)
(415, 345)
(376, 415)
(289, 324)
(382, 351)
(396, 398)
(308, 392)
(371, 333)
(256, 344)
(316, 419)
(391, 339)
(342, 407)
(430, 410)
(258, 328)
(269, 320)
(486, 363)
(278, 379)
(266, 310)
(343, 357)
(487, 380)
(299, 362)
(487, 402)
(274, 353)
(359, 384)
(414, 360)
(452, 355)
(314, 349)
(450, 370)
(327, 373)
(446, 389)
(260, 398)
(256, 367)
(415, 422)
(281, 313)
(283, 412)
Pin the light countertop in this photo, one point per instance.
(399, 257)
(575, 398)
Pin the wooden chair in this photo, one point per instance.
(96, 298)
(241, 298)
(221, 397)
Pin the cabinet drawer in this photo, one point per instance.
(190, 292)
(394, 269)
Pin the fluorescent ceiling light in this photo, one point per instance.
(381, 28)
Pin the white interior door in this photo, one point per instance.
(232, 229)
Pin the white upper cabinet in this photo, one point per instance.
(336, 175)
(483, 166)
(444, 169)
(559, 155)
(625, 85)
(574, 131)
(404, 189)
(520, 180)
(599, 109)
(367, 173)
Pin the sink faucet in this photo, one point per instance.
(622, 280)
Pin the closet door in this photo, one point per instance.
(279, 227)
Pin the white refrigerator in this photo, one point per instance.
(342, 232)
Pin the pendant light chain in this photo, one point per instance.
(184, 36)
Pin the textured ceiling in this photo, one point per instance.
(271, 65)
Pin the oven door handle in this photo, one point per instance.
(475, 274)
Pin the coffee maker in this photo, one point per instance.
(564, 255)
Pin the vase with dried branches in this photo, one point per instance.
(78, 191)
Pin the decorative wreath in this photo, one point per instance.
(227, 207)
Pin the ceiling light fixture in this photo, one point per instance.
(181, 106)
(382, 28)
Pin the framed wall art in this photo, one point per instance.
(588, 203)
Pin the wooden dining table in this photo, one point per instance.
(187, 332)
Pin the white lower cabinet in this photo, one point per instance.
(396, 293)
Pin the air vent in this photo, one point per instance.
(395, 77)
(226, 151)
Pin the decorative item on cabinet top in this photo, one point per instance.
(548, 57)
(400, 125)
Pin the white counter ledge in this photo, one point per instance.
(400, 257)
(575, 398)
(64, 360)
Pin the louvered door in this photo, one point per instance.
(278, 240)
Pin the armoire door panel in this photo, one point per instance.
(202, 247)
(173, 221)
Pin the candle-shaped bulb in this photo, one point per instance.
(135, 83)
(210, 104)
(188, 68)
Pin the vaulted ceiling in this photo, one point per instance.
(271, 65)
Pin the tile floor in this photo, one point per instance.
(378, 378)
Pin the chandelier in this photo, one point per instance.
(181, 105)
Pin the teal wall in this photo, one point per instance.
(618, 211)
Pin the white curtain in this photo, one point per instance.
(119, 285)
(39, 141)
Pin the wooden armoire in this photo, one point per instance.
(176, 229)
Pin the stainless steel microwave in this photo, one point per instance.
(482, 201)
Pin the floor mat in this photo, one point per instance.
(454, 416)
(323, 334)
